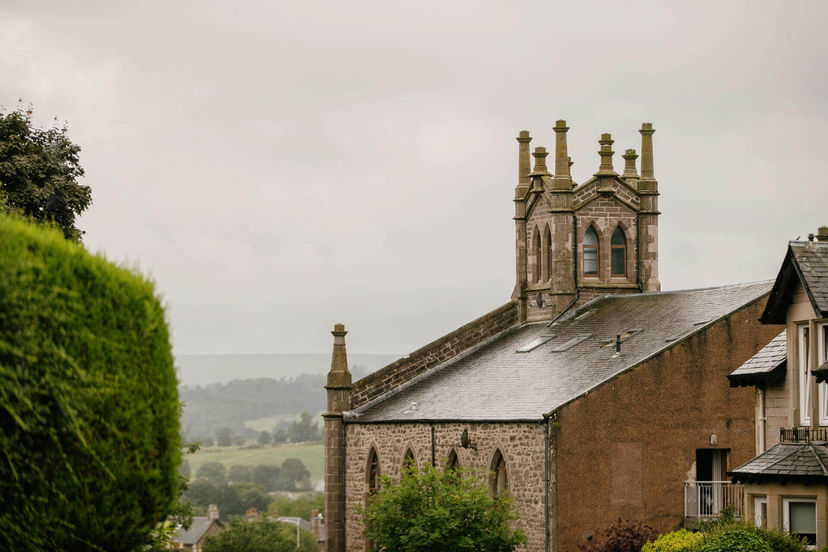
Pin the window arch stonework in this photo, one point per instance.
(499, 477)
(372, 472)
(618, 252)
(536, 255)
(591, 252)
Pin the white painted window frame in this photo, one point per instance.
(822, 355)
(786, 514)
(758, 501)
(804, 375)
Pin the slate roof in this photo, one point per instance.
(806, 460)
(496, 383)
(196, 531)
(807, 262)
(766, 366)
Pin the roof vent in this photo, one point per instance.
(534, 344)
(621, 338)
(571, 343)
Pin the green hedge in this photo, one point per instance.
(677, 541)
(88, 401)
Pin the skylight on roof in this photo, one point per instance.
(534, 344)
(571, 343)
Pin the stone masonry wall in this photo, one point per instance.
(433, 354)
(521, 444)
(626, 448)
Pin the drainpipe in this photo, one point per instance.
(574, 270)
(546, 478)
(638, 253)
(762, 419)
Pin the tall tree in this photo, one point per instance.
(39, 172)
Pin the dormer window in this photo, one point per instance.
(591, 252)
(618, 253)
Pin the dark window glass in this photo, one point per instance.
(618, 255)
(536, 253)
(500, 482)
(453, 462)
(373, 472)
(590, 251)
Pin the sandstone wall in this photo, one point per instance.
(522, 446)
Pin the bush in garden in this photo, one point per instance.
(88, 398)
(623, 536)
(677, 541)
(736, 538)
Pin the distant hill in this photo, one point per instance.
(228, 390)
(207, 369)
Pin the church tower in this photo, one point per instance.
(575, 242)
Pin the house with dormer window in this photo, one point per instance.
(786, 484)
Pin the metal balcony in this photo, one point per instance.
(704, 500)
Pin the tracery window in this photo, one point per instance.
(618, 253)
(500, 481)
(590, 251)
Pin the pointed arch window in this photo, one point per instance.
(373, 473)
(547, 254)
(591, 251)
(409, 460)
(536, 254)
(453, 461)
(500, 481)
(618, 253)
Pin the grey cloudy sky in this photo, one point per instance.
(280, 166)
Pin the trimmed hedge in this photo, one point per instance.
(677, 541)
(88, 401)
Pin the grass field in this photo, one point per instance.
(266, 424)
(311, 454)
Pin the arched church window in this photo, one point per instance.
(536, 255)
(409, 460)
(453, 461)
(547, 253)
(373, 473)
(500, 481)
(618, 253)
(590, 251)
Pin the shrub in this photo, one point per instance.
(624, 536)
(677, 541)
(736, 538)
(89, 417)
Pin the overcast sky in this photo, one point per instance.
(277, 167)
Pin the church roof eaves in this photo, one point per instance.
(494, 383)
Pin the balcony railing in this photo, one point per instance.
(705, 499)
(796, 434)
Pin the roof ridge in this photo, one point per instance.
(816, 455)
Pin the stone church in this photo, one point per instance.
(590, 395)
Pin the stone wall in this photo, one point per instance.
(435, 353)
(521, 444)
(626, 448)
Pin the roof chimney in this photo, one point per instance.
(606, 154)
(822, 234)
(212, 512)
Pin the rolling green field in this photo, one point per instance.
(266, 424)
(311, 454)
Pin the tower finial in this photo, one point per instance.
(630, 173)
(540, 169)
(339, 375)
(606, 154)
(524, 165)
(647, 131)
(561, 155)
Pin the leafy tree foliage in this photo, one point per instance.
(304, 429)
(232, 500)
(261, 536)
(213, 472)
(224, 436)
(294, 475)
(301, 507)
(89, 419)
(265, 438)
(184, 469)
(433, 510)
(267, 477)
(240, 474)
(279, 436)
(39, 172)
